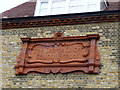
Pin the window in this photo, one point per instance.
(54, 7)
(43, 8)
(58, 6)
(76, 6)
(92, 5)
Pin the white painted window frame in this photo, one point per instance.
(37, 9)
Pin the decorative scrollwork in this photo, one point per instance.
(59, 54)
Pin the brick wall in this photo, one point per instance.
(108, 47)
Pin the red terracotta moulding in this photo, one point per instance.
(59, 54)
(88, 18)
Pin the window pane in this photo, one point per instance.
(76, 6)
(43, 11)
(76, 2)
(43, 5)
(57, 10)
(58, 3)
(43, 8)
(92, 7)
(76, 9)
(58, 6)
(92, 1)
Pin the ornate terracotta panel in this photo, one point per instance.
(59, 54)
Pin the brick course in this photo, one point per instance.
(57, 20)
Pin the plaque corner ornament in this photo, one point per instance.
(59, 54)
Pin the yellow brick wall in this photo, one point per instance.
(108, 47)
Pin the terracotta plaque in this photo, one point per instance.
(59, 54)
